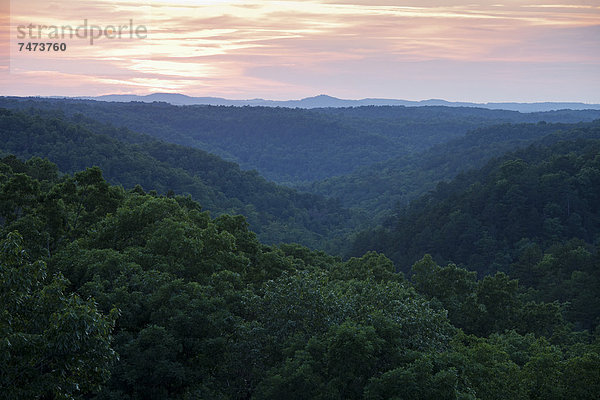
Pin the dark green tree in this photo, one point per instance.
(52, 344)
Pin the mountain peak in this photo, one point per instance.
(322, 96)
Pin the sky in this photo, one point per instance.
(485, 51)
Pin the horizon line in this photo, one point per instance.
(321, 95)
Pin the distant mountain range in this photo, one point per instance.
(328, 101)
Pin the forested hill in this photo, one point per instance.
(114, 294)
(381, 187)
(488, 218)
(276, 213)
(295, 146)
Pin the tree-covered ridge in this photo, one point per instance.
(522, 203)
(204, 310)
(294, 146)
(436, 114)
(276, 213)
(384, 186)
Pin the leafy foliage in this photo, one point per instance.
(276, 213)
(383, 186)
(207, 311)
(294, 146)
(542, 195)
(52, 344)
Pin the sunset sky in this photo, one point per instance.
(498, 50)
